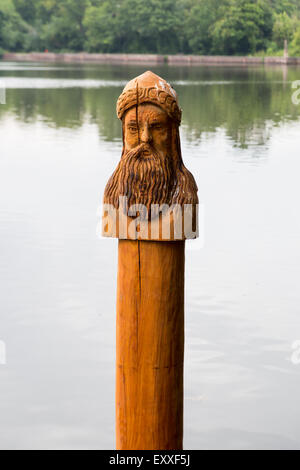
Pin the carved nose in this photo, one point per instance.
(146, 136)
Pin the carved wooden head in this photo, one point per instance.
(151, 170)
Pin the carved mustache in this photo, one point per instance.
(137, 153)
(144, 179)
(151, 179)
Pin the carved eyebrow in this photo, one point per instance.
(132, 123)
(157, 121)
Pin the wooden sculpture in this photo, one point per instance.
(150, 204)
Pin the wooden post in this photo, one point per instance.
(150, 345)
(159, 214)
(286, 49)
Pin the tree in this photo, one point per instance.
(12, 28)
(295, 44)
(65, 29)
(200, 17)
(283, 29)
(26, 9)
(158, 24)
(152, 26)
(100, 24)
(243, 27)
(285, 6)
(133, 26)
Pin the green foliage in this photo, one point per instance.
(133, 26)
(244, 27)
(295, 45)
(285, 6)
(65, 30)
(27, 9)
(283, 28)
(100, 23)
(244, 107)
(158, 23)
(12, 27)
(152, 26)
(199, 19)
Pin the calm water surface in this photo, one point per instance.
(59, 142)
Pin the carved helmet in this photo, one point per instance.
(149, 88)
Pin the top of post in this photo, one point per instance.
(151, 195)
(149, 88)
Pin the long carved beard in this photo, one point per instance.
(143, 179)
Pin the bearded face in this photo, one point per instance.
(143, 176)
(151, 169)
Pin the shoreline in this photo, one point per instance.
(152, 59)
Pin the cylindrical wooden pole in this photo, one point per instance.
(150, 345)
(151, 205)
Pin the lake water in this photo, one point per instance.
(60, 140)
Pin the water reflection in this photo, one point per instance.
(245, 102)
(58, 146)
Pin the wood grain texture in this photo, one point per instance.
(151, 169)
(174, 224)
(150, 345)
(151, 89)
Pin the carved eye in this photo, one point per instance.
(132, 129)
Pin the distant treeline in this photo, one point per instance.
(207, 27)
